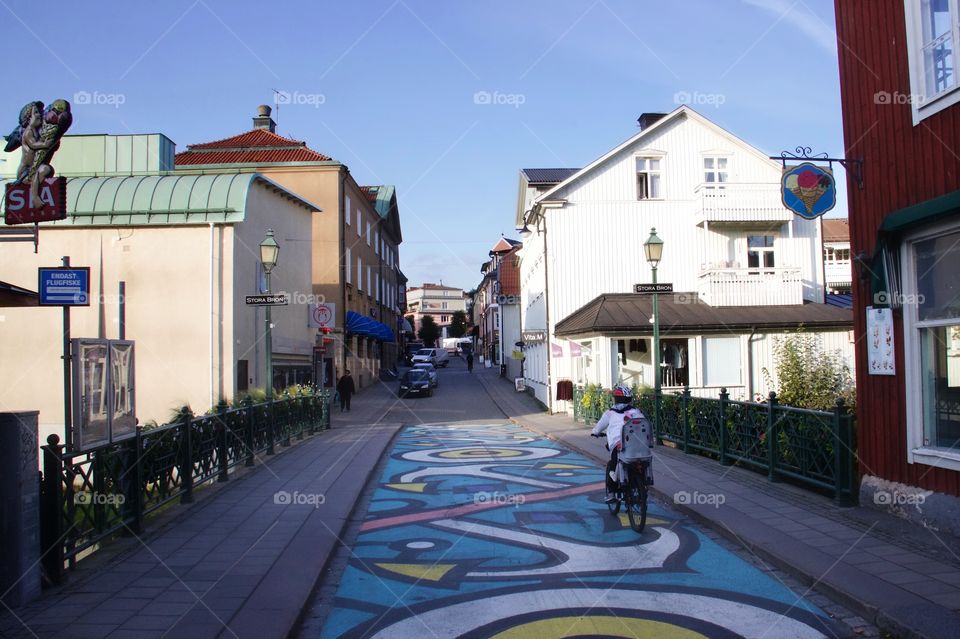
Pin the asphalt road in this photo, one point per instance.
(478, 528)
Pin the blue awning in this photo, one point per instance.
(368, 327)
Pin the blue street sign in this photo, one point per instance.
(64, 286)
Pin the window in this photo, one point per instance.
(443, 319)
(932, 34)
(760, 251)
(831, 254)
(714, 170)
(931, 311)
(370, 281)
(359, 224)
(359, 274)
(376, 242)
(674, 362)
(721, 361)
(377, 287)
(368, 233)
(348, 267)
(347, 213)
(648, 179)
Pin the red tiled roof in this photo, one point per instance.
(836, 230)
(370, 192)
(256, 146)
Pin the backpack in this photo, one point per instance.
(636, 438)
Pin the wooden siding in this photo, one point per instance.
(903, 165)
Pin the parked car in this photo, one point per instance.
(431, 369)
(415, 382)
(410, 350)
(436, 356)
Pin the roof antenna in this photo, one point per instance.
(276, 103)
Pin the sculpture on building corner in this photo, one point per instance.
(38, 134)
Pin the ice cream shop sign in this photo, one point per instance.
(809, 188)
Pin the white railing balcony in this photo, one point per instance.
(838, 272)
(738, 203)
(751, 286)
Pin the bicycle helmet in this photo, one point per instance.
(622, 395)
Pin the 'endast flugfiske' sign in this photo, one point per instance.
(808, 190)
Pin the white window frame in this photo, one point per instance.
(359, 273)
(376, 242)
(921, 105)
(349, 267)
(917, 453)
(368, 233)
(659, 172)
(716, 157)
(359, 223)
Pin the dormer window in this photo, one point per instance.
(648, 178)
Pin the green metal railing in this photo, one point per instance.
(87, 497)
(811, 447)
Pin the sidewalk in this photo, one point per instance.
(234, 564)
(903, 578)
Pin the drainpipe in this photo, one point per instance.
(342, 320)
(753, 330)
(546, 302)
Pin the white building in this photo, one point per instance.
(436, 300)
(837, 267)
(744, 268)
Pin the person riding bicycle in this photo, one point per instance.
(612, 422)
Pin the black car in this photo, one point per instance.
(415, 382)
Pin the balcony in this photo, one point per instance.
(838, 273)
(739, 204)
(751, 286)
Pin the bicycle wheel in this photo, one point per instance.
(636, 501)
(613, 506)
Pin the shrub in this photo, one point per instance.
(810, 377)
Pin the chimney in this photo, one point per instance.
(646, 119)
(263, 119)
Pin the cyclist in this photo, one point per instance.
(612, 422)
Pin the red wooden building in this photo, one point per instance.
(900, 87)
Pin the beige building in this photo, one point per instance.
(186, 247)
(356, 261)
(436, 300)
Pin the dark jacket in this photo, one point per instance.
(345, 385)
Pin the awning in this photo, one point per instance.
(922, 213)
(12, 296)
(405, 325)
(368, 327)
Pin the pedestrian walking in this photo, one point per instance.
(469, 362)
(346, 388)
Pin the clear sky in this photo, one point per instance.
(390, 87)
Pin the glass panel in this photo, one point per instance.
(654, 165)
(768, 259)
(940, 372)
(935, 15)
(655, 186)
(642, 192)
(641, 164)
(721, 163)
(760, 241)
(938, 65)
(124, 422)
(721, 361)
(937, 263)
(90, 416)
(709, 177)
(708, 163)
(721, 176)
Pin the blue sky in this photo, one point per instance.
(388, 87)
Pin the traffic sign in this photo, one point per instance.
(323, 316)
(64, 286)
(267, 300)
(649, 289)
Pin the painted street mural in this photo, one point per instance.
(488, 531)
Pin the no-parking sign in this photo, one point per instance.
(323, 316)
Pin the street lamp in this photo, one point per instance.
(269, 250)
(653, 248)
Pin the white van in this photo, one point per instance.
(436, 356)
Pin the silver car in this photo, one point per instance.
(431, 370)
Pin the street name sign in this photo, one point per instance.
(267, 300)
(649, 289)
(64, 286)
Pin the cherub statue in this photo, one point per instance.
(38, 134)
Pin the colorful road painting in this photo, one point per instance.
(489, 531)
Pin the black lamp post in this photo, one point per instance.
(269, 251)
(653, 248)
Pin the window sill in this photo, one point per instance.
(939, 457)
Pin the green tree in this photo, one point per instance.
(809, 376)
(429, 331)
(458, 324)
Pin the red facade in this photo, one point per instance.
(903, 165)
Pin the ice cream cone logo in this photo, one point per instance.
(808, 190)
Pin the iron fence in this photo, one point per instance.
(811, 447)
(88, 497)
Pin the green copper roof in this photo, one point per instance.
(136, 200)
(384, 196)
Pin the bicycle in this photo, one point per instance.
(631, 484)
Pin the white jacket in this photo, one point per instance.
(612, 422)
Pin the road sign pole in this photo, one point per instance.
(67, 421)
